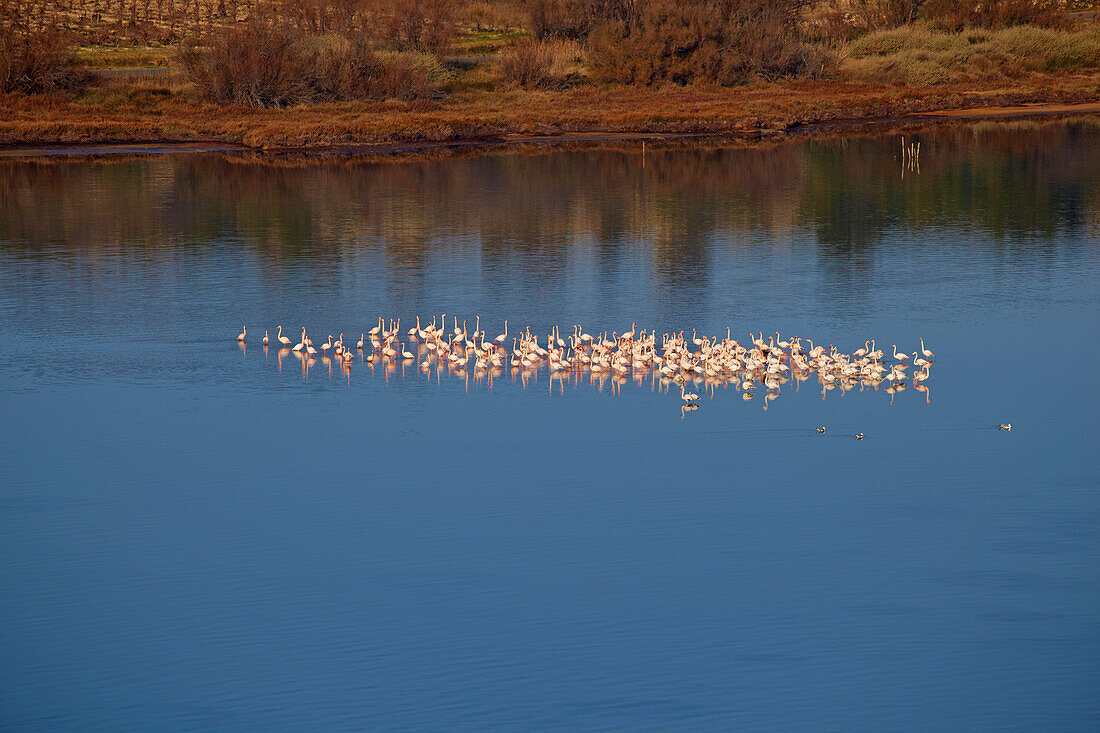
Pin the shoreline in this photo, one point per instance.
(570, 140)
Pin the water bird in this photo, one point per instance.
(821, 430)
(1005, 426)
(243, 333)
(671, 358)
(265, 338)
(859, 436)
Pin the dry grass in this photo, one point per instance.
(151, 112)
(534, 64)
(921, 56)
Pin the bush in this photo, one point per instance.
(575, 19)
(958, 14)
(359, 72)
(259, 64)
(37, 62)
(538, 64)
(424, 26)
(845, 19)
(687, 41)
(326, 16)
(263, 64)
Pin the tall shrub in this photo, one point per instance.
(37, 61)
(265, 64)
(687, 41)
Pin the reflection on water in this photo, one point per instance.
(199, 534)
(1005, 179)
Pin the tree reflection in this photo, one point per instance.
(521, 216)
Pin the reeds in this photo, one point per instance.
(534, 64)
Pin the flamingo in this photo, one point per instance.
(771, 362)
(927, 354)
(243, 333)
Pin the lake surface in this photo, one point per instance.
(195, 535)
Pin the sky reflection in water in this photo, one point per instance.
(194, 539)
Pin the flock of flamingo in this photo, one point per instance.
(701, 362)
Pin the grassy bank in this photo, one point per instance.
(133, 112)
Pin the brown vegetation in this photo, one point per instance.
(538, 64)
(263, 64)
(847, 19)
(921, 56)
(688, 41)
(124, 112)
(317, 72)
(36, 62)
(958, 14)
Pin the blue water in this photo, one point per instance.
(193, 536)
